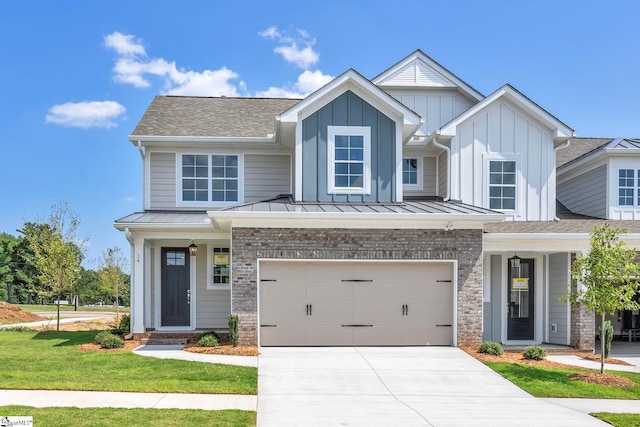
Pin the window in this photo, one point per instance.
(349, 159)
(412, 173)
(502, 184)
(176, 258)
(628, 187)
(210, 178)
(219, 268)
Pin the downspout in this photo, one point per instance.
(129, 237)
(434, 140)
(555, 150)
(144, 175)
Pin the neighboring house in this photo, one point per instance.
(372, 212)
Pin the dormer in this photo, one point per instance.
(348, 142)
(429, 89)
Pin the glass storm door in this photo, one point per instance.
(520, 310)
(175, 293)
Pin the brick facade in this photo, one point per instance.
(251, 244)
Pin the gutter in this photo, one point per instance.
(151, 138)
(434, 140)
(555, 153)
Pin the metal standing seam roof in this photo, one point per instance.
(408, 207)
(156, 217)
(226, 117)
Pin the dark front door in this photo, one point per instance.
(175, 295)
(520, 298)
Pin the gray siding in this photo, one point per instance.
(493, 330)
(348, 110)
(558, 286)
(266, 176)
(443, 175)
(213, 305)
(152, 296)
(429, 178)
(586, 194)
(162, 180)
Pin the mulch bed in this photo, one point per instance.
(606, 379)
(129, 345)
(224, 348)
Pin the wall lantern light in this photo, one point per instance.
(193, 249)
(514, 261)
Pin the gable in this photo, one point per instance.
(419, 71)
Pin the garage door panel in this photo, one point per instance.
(274, 292)
(329, 292)
(373, 313)
(283, 334)
(377, 292)
(328, 334)
(425, 293)
(377, 334)
(429, 272)
(427, 335)
(337, 314)
(282, 313)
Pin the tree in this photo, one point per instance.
(607, 274)
(7, 248)
(111, 275)
(55, 255)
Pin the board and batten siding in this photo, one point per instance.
(162, 176)
(429, 177)
(436, 107)
(348, 109)
(558, 310)
(213, 306)
(503, 130)
(586, 194)
(266, 176)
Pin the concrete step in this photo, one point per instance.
(163, 341)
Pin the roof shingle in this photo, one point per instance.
(211, 116)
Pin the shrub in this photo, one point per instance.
(491, 347)
(533, 352)
(17, 328)
(112, 341)
(233, 329)
(606, 333)
(100, 336)
(124, 327)
(208, 333)
(208, 341)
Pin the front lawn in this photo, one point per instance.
(554, 382)
(619, 420)
(117, 417)
(51, 361)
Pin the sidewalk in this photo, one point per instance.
(108, 399)
(49, 322)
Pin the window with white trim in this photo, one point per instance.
(349, 157)
(502, 184)
(218, 268)
(412, 172)
(628, 187)
(210, 178)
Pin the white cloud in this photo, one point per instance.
(124, 44)
(297, 50)
(307, 82)
(134, 67)
(86, 114)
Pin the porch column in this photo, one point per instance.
(137, 286)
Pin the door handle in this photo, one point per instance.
(189, 296)
(405, 309)
(309, 309)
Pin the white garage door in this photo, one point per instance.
(350, 303)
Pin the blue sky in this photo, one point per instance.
(77, 75)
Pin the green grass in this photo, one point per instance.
(619, 420)
(37, 308)
(51, 361)
(116, 417)
(547, 382)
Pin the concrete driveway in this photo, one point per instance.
(394, 386)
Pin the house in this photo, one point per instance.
(408, 209)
